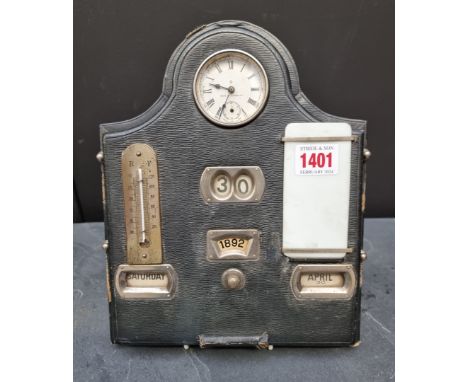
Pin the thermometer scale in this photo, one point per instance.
(141, 200)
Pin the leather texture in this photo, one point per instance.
(185, 143)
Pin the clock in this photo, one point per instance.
(230, 88)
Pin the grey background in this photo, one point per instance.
(344, 50)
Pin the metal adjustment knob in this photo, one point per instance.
(100, 156)
(367, 154)
(233, 279)
(363, 255)
(105, 245)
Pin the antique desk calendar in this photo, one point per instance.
(233, 205)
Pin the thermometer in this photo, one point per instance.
(141, 203)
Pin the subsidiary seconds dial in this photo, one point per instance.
(230, 88)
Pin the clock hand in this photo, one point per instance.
(217, 86)
(224, 105)
(230, 89)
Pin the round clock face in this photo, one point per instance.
(230, 88)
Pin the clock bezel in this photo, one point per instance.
(259, 109)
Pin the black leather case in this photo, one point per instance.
(265, 311)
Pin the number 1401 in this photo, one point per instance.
(319, 160)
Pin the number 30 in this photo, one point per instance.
(243, 185)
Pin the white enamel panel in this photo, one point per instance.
(316, 191)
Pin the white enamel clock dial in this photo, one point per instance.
(230, 88)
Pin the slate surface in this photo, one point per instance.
(97, 359)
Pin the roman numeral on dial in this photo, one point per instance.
(252, 102)
(210, 103)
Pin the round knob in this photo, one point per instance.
(100, 156)
(363, 255)
(367, 154)
(233, 279)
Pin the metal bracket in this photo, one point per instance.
(260, 342)
(351, 138)
(318, 250)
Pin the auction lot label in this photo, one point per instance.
(316, 159)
